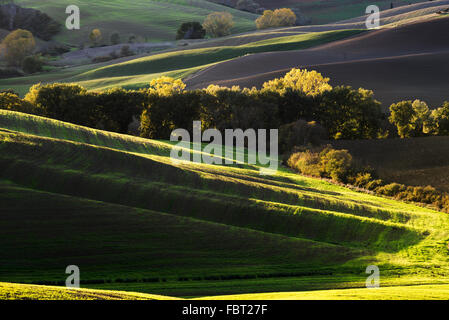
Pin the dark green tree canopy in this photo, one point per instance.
(191, 30)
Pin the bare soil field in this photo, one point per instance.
(417, 161)
(397, 63)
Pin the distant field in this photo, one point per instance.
(139, 72)
(417, 161)
(330, 10)
(200, 57)
(379, 60)
(152, 20)
(117, 207)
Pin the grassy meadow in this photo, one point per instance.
(151, 20)
(116, 206)
(143, 227)
(16, 291)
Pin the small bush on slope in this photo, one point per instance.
(338, 165)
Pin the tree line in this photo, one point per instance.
(344, 112)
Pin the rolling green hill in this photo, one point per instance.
(116, 206)
(137, 73)
(328, 11)
(16, 291)
(422, 292)
(152, 20)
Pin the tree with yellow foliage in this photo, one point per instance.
(278, 18)
(166, 86)
(95, 36)
(16, 46)
(218, 24)
(311, 83)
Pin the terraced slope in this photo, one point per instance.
(137, 73)
(117, 207)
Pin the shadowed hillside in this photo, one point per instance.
(139, 222)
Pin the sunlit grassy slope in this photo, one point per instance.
(117, 207)
(197, 57)
(16, 291)
(153, 20)
(423, 292)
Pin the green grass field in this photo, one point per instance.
(423, 292)
(327, 11)
(152, 20)
(16, 291)
(185, 59)
(116, 206)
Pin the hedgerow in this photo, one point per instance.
(338, 165)
(345, 113)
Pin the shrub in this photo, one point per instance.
(35, 21)
(11, 101)
(95, 36)
(117, 108)
(32, 64)
(109, 57)
(191, 30)
(310, 83)
(374, 185)
(16, 46)
(300, 133)
(125, 51)
(412, 119)
(440, 120)
(278, 18)
(323, 162)
(164, 113)
(391, 190)
(115, 38)
(361, 180)
(66, 102)
(306, 162)
(350, 114)
(336, 164)
(218, 24)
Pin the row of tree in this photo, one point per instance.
(415, 119)
(219, 24)
(344, 112)
(305, 96)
